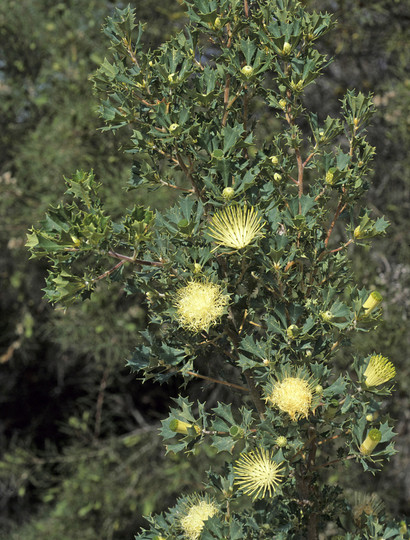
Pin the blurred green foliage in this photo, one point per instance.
(69, 469)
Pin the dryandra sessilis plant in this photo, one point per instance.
(246, 275)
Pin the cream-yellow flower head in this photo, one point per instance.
(199, 305)
(257, 474)
(235, 226)
(195, 512)
(292, 395)
(379, 370)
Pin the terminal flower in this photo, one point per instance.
(199, 305)
(235, 226)
(256, 473)
(194, 512)
(379, 370)
(292, 395)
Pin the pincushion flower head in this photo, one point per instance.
(257, 474)
(199, 305)
(194, 512)
(235, 226)
(379, 370)
(292, 394)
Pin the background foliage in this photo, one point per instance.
(79, 431)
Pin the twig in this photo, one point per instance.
(237, 386)
(126, 258)
(339, 210)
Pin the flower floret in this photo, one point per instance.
(235, 226)
(256, 473)
(199, 305)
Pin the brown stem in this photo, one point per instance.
(110, 271)
(339, 210)
(246, 8)
(232, 385)
(126, 258)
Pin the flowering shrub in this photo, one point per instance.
(248, 269)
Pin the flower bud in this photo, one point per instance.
(274, 160)
(177, 426)
(374, 299)
(236, 432)
(277, 177)
(228, 193)
(287, 47)
(281, 441)
(329, 179)
(217, 23)
(247, 71)
(371, 441)
(197, 268)
(318, 389)
(283, 103)
(173, 127)
(326, 316)
(372, 416)
(293, 331)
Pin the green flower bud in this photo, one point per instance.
(372, 416)
(217, 23)
(326, 316)
(274, 160)
(287, 47)
(293, 331)
(371, 441)
(247, 71)
(197, 268)
(173, 127)
(281, 441)
(277, 177)
(172, 77)
(283, 103)
(228, 193)
(318, 389)
(308, 353)
(236, 432)
(329, 179)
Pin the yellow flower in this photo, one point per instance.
(196, 511)
(257, 473)
(292, 395)
(235, 226)
(199, 305)
(379, 370)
